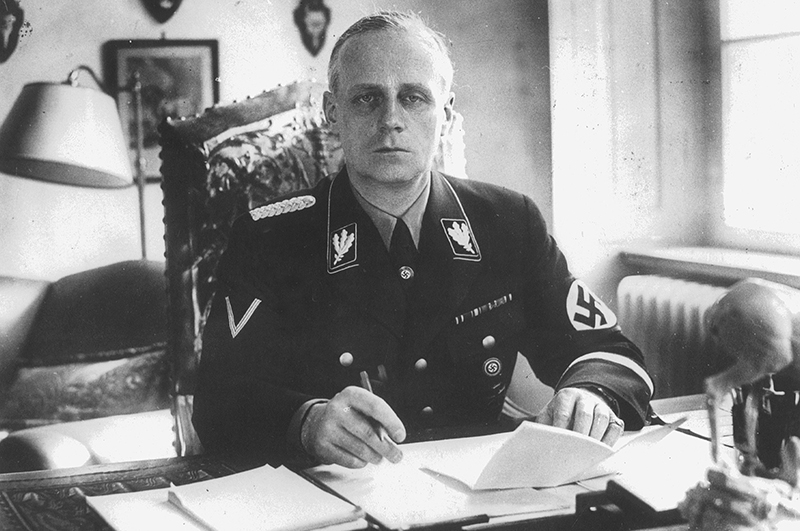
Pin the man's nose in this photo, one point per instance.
(391, 117)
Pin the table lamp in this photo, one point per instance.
(69, 134)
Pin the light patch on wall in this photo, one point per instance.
(53, 236)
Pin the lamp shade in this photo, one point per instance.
(65, 134)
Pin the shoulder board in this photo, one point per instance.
(282, 207)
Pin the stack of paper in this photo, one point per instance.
(404, 497)
(263, 499)
(533, 455)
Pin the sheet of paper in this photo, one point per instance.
(134, 511)
(262, 499)
(662, 482)
(403, 497)
(533, 455)
(565, 493)
(634, 454)
(150, 509)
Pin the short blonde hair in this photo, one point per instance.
(394, 20)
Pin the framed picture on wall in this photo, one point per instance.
(178, 78)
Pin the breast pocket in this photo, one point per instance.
(483, 350)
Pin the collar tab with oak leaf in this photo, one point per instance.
(342, 248)
(462, 241)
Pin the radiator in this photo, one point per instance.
(664, 317)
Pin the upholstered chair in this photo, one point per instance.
(217, 166)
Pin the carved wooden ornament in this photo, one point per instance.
(162, 10)
(11, 22)
(312, 18)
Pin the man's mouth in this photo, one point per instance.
(391, 150)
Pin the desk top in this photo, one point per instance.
(54, 500)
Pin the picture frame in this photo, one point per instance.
(178, 78)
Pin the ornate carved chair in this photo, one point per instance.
(217, 166)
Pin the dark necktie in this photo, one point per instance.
(403, 252)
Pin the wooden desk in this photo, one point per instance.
(54, 500)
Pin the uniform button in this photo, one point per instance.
(427, 411)
(406, 273)
(489, 342)
(346, 359)
(492, 367)
(421, 364)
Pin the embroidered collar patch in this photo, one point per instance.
(462, 242)
(342, 248)
(282, 207)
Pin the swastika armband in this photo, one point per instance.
(586, 311)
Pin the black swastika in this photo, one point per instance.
(590, 305)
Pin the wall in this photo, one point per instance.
(502, 85)
(636, 116)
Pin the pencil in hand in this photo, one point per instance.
(366, 384)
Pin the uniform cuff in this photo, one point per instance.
(293, 434)
(603, 393)
(621, 377)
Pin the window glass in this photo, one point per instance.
(761, 134)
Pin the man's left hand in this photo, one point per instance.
(582, 411)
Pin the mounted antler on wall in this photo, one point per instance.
(11, 22)
(312, 18)
(162, 10)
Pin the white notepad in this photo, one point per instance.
(148, 509)
(262, 499)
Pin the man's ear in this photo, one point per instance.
(329, 107)
(448, 114)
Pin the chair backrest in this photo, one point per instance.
(217, 166)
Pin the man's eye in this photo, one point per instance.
(365, 99)
(414, 98)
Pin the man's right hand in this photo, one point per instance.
(346, 430)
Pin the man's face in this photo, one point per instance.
(390, 107)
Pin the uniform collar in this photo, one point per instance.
(443, 227)
(385, 222)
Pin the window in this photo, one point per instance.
(760, 52)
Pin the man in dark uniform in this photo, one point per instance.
(426, 285)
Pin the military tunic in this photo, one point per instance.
(307, 299)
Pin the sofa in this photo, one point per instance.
(84, 375)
